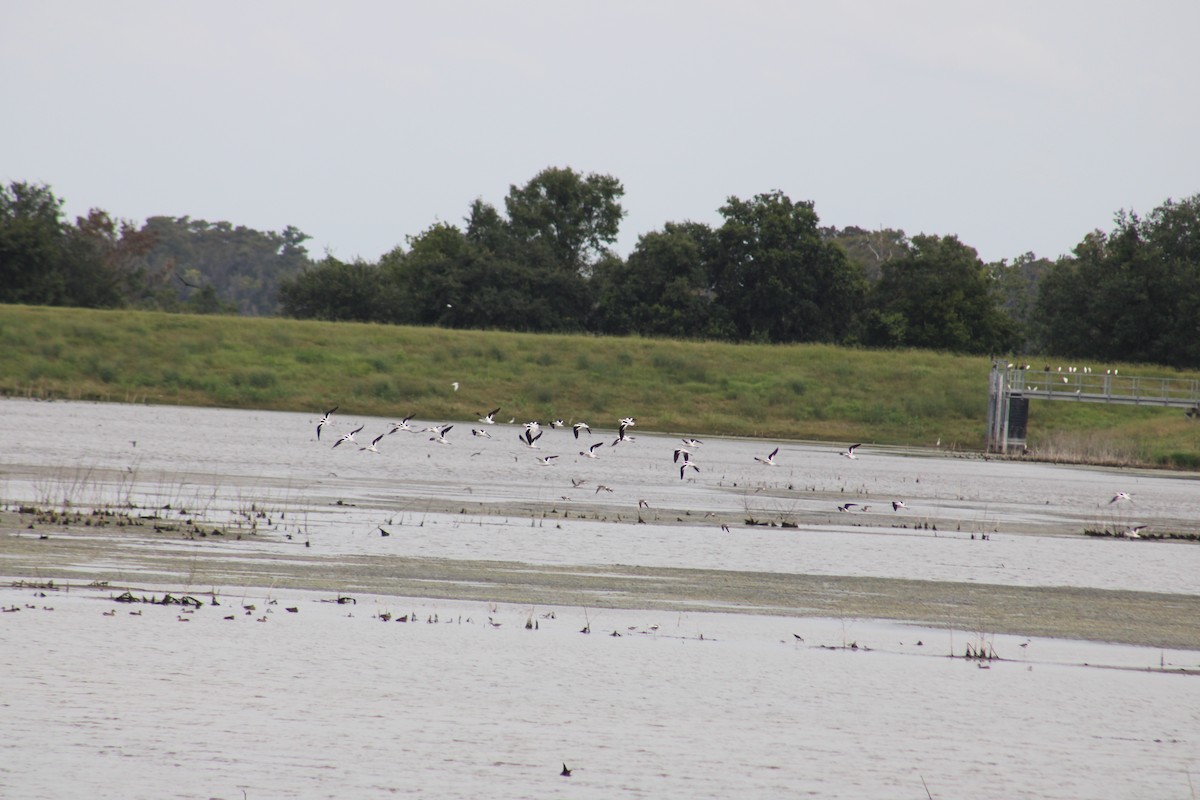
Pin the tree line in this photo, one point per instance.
(769, 272)
(168, 263)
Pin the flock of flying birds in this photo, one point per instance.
(683, 456)
(531, 432)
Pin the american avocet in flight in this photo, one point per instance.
(1134, 532)
(440, 434)
(533, 425)
(849, 451)
(769, 460)
(373, 446)
(591, 451)
(692, 442)
(558, 423)
(1119, 497)
(528, 439)
(601, 487)
(348, 437)
(481, 432)
(627, 421)
(580, 426)
(684, 453)
(490, 417)
(897, 505)
(684, 467)
(403, 425)
(622, 436)
(847, 506)
(325, 421)
(546, 461)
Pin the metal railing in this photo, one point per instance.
(1081, 385)
(1101, 387)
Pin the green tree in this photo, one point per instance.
(938, 295)
(33, 240)
(107, 265)
(1132, 294)
(574, 216)
(334, 290)
(244, 266)
(868, 250)
(776, 279)
(663, 289)
(486, 279)
(1017, 287)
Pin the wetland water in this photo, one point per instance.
(707, 692)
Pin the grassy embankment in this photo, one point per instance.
(795, 391)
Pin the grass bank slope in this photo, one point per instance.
(813, 392)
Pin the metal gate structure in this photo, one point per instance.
(1011, 387)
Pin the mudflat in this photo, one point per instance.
(137, 554)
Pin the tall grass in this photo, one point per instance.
(781, 391)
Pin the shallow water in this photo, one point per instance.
(332, 702)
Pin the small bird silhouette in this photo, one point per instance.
(566, 773)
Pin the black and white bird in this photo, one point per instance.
(897, 505)
(373, 447)
(490, 417)
(847, 506)
(482, 432)
(684, 468)
(627, 421)
(692, 442)
(849, 451)
(684, 453)
(580, 426)
(528, 439)
(769, 460)
(533, 426)
(591, 451)
(558, 423)
(546, 461)
(349, 437)
(403, 425)
(1134, 531)
(622, 437)
(440, 434)
(1120, 497)
(325, 421)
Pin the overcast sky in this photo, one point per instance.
(1017, 126)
